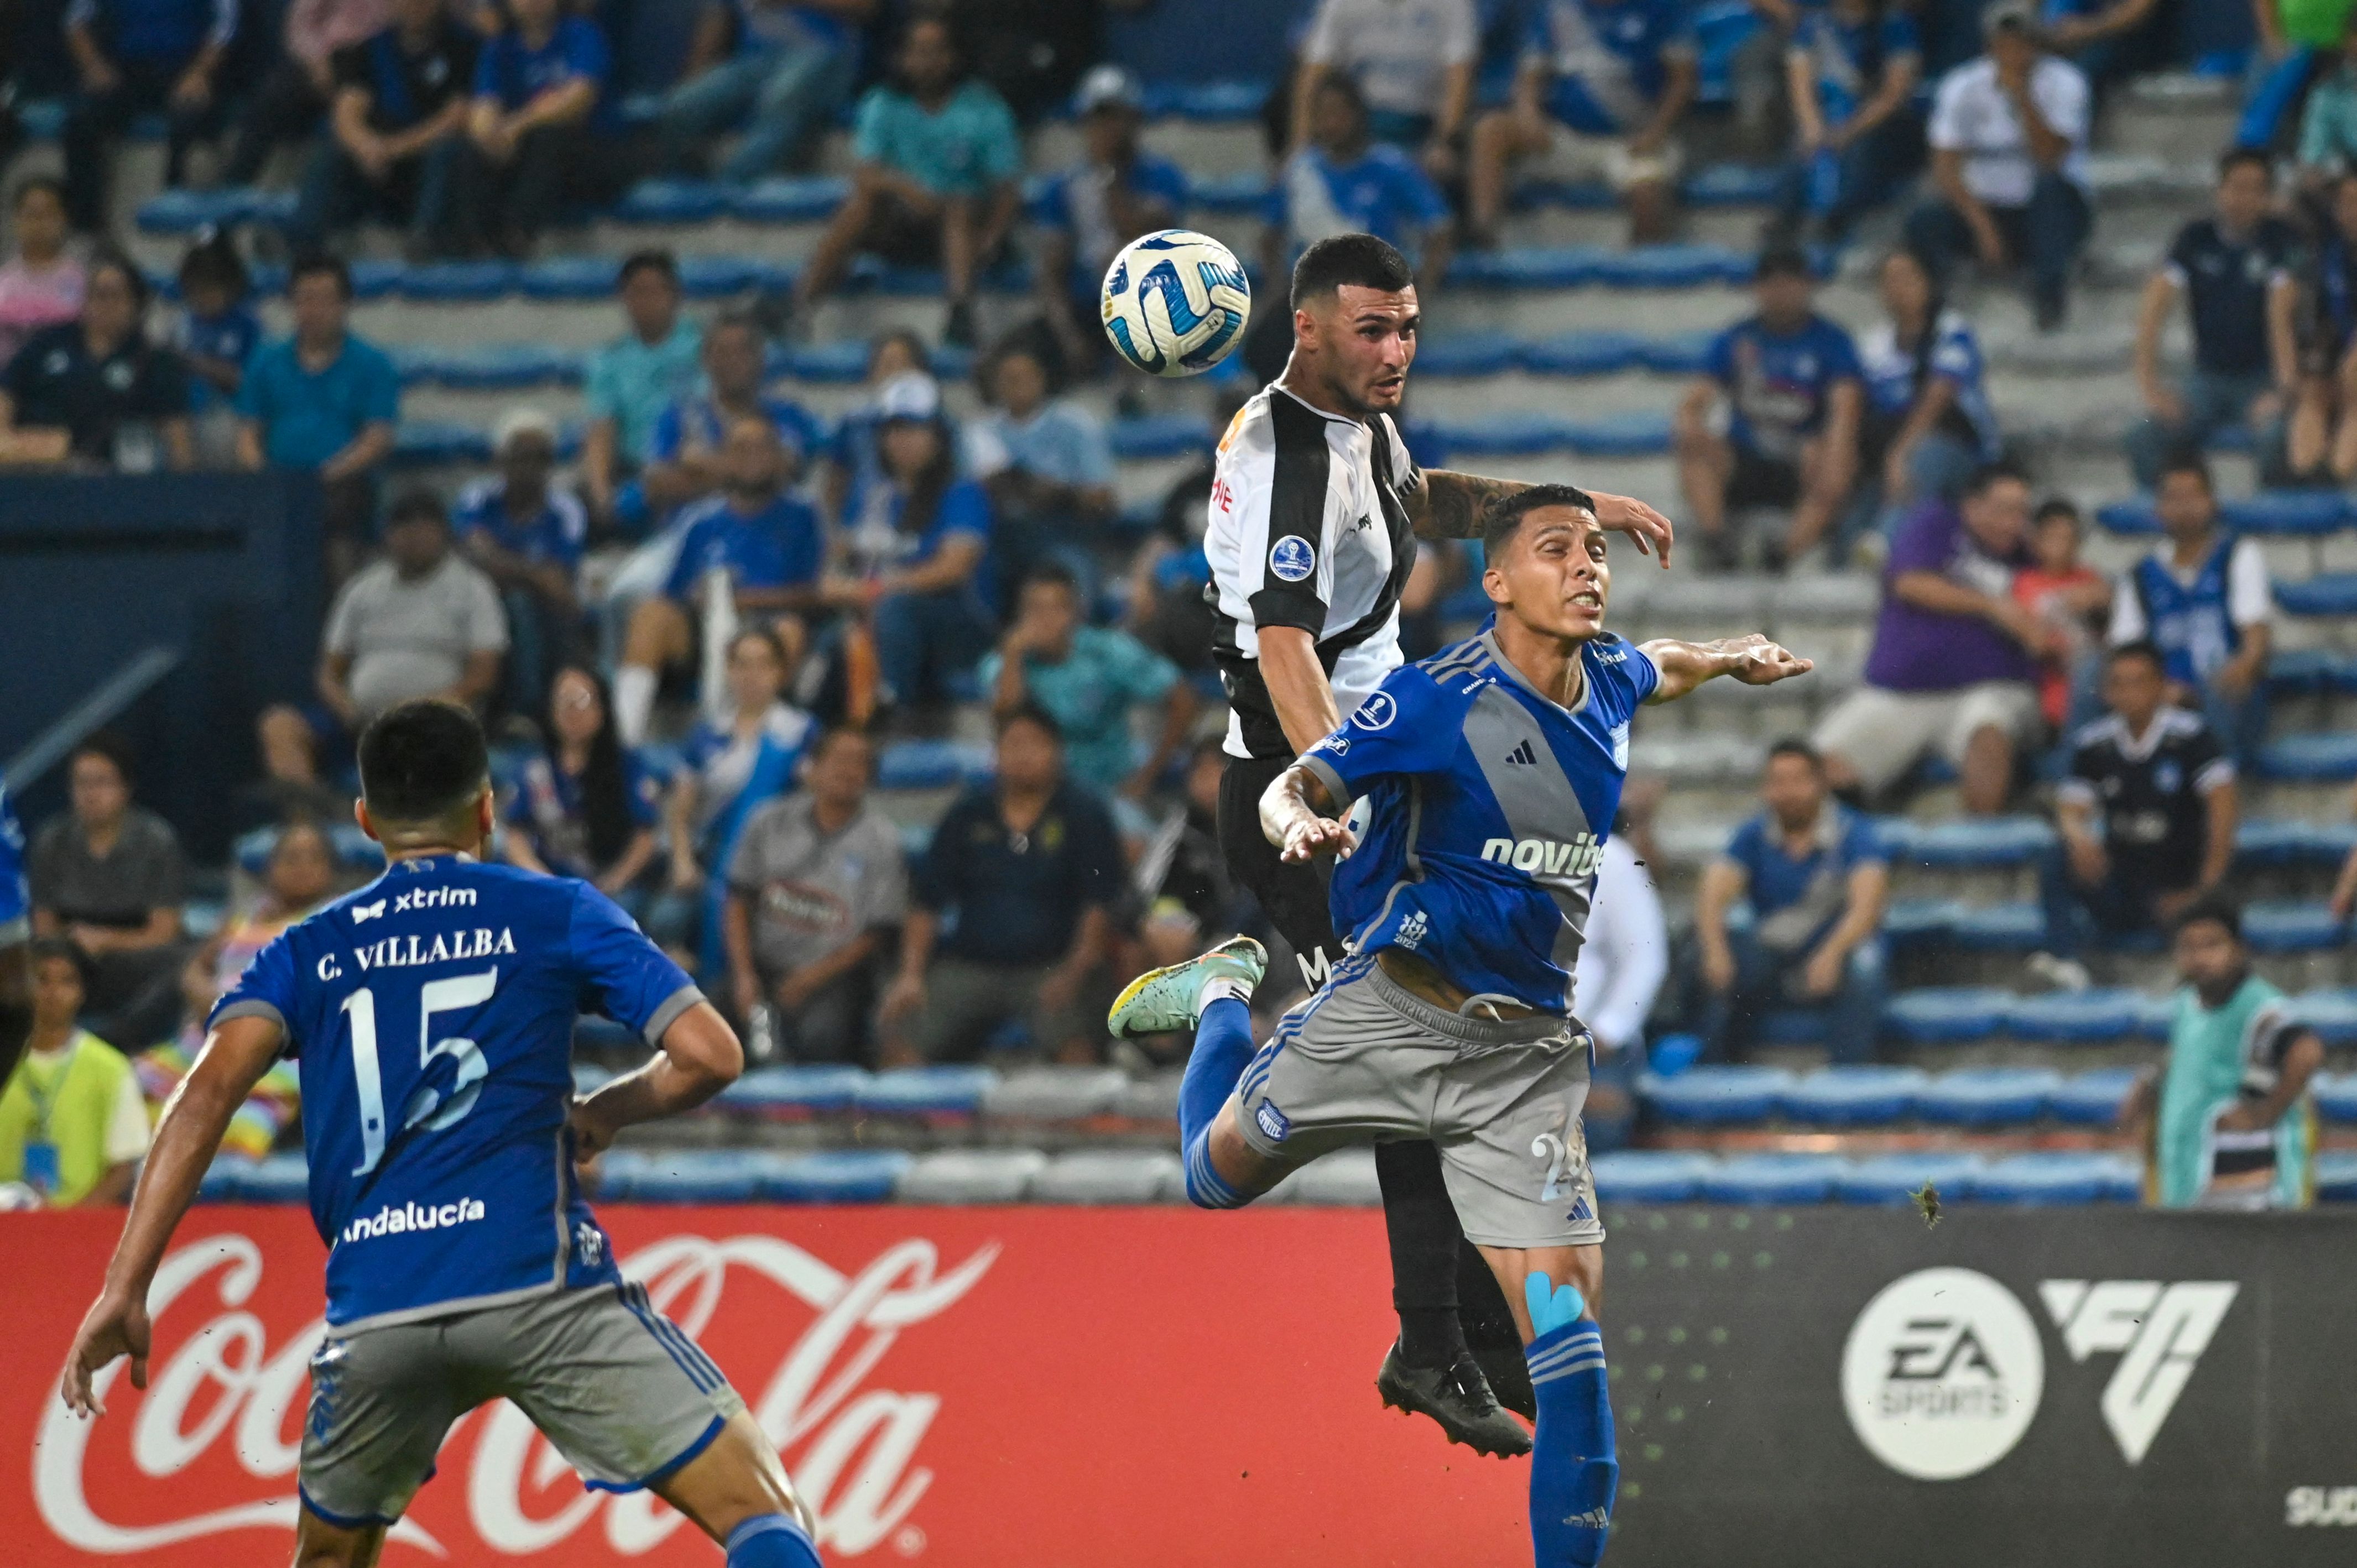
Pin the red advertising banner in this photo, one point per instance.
(952, 1387)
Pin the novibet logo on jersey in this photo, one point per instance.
(1943, 1374)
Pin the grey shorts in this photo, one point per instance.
(621, 1391)
(1365, 1059)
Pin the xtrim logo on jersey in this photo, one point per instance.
(1550, 857)
(2161, 1331)
(1292, 558)
(1523, 756)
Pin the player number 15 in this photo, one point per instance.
(427, 1103)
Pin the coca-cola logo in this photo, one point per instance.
(851, 1448)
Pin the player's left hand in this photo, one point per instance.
(593, 1131)
(1312, 836)
(1759, 663)
(1647, 530)
(115, 1326)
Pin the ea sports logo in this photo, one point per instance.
(1943, 1373)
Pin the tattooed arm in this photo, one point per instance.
(1444, 504)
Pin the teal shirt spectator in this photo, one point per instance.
(965, 148)
(1060, 442)
(633, 381)
(1090, 694)
(308, 416)
(2327, 129)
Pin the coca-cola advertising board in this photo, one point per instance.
(966, 1388)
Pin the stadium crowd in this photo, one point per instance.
(692, 639)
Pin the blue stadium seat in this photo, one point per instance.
(926, 1091)
(2305, 670)
(2312, 758)
(1637, 434)
(184, 212)
(1793, 1026)
(678, 201)
(2327, 593)
(458, 281)
(1649, 1175)
(2091, 1099)
(2280, 842)
(1730, 185)
(1987, 1096)
(568, 277)
(1999, 927)
(274, 1178)
(1578, 195)
(1673, 267)
(2336, 1175)
(1942, 1015)
(1716, 1096)
(796, 1090)
(428, 443)
(788, 198)
(835, 1176)
(2331, 1014)
(840, 363)
(1920, 920)
(717, 277)
(223, 1181)
(2056, 1180)
(1469, 354)
(379, 277)
(1989, 843)
(2283, 513)
(1242, 193)
(1682, 354)
(2292, 925)
(1161, 435)
(1528, 266)
(930, 764)
(1773, 1178)
(2076, 1017)
(2336, 1096)
(1208, 100)
(502, 366)
(1854, 1096)
(1586, 353)
(1895, 1179)
(682, 1175)
(1505, 435)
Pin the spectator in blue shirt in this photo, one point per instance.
(854, 458)
(1791, 380)
(219, 330)
(1602, 86)
(1928, 424)
(527, 533)
(323, 400)
(1009, 921)
(1816, 878)
(134, 57)
(684, 460)
(916, 540)
(1852, 68)
(765, 540)
(1118, 192)
(935, 180)
(777, 68)
(1046, 462)
(543, 131)
(631, 381)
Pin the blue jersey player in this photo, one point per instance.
(16, 925)
(1489, 774)
(432, 1015)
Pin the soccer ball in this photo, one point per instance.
(1175, 302)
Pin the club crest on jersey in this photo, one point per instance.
(1547, 857)
(1272, 1122)
(1620, 745)
(1292, 558)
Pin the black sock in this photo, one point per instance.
(1421, 1224)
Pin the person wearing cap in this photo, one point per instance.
(2008, 137)
(935, 180)
(1795, 392)
(684, 459)
(778, 69)
(1412, 62)
(913, 549)
(1088, 213)
(527, 534)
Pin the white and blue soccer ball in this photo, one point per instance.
(1175, 302)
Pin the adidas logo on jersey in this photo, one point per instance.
(1550, 857)
(1523, 756)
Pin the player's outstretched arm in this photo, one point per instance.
(1752, 660)
(1293, 814)
(1444, 504)
(234, 1057)
(699, 1056)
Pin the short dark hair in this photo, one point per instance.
(1995, 473)
(1782, 261)
(1357, 261)
(320, 264)
(738, 320)
(2186, 462)
(834, 732)
(1502, 519)
(106, 258)
(108, 747)
(422, 760)
(2142, 648)
(31, 183)
(2059, 506)
(1343, 82)
(647, 260)
(42, 949)
(414, 505)
(214, 260)
(1052, 573)
(2234, 157)
(1794, 746)
(2215, 908)
(1032, 713)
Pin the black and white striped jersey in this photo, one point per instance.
(1308, 530)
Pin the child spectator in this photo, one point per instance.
(1853, 68)
(2068, 597)
(219, 330)
(73, 1126)
(254, 1127)
(41, 285)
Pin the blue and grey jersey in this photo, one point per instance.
(1487, 807)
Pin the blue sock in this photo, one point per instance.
(1573, 1472)
(771, 1541)
(1223, 1049)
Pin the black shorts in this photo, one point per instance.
(1293, 897)
(1758, 480)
